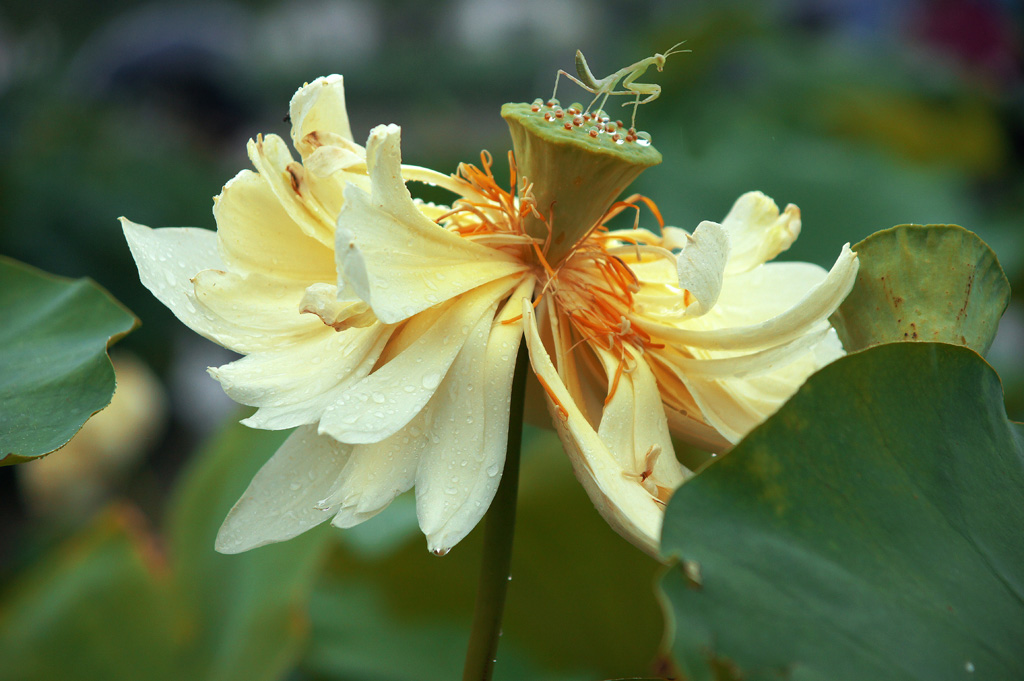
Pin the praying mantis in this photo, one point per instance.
(604, 87)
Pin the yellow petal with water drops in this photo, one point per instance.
(287, 179)
(280, 502)
(319, 107)
(264, 304)
(620, 499)
(375, 474)
(293, 385)
(395, 258)
(700, 266)
(461, 465)
(256, 234)
(811, 309)
(758, 232)
(386, 400)
(168, 259)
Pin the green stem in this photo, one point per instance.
(499, 528)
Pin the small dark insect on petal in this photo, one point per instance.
(287, 118)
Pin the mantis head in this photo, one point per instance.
(659, 59)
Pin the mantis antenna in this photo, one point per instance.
(602, 88)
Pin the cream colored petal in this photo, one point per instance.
(256, 234)
(701, 266)
(386, 400)
(265, 305)
(168, 259)
(375, 474)
(720, 365)
(461, 465)
(288, 180)
(293, 385)
(758, 232)
(763, 293)
(395, 258)
(280, 502)
(685, 420)
(815, 306)
(737, 404)
(634, 426)
(319, 107)
(619, 498)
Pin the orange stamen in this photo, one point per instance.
(563, 413)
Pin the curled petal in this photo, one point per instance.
(319, 107)
(758, 232)
(701, 266)
(338, 312)
(310, 205)
(634, 426)
(168, 259)
(735, 405)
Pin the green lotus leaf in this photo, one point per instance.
(54, 369)
(924, 283)
(872, 529)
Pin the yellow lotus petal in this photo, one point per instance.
(386, 400)
(817, 305)
(621, 500)
(395, 258)
(290, 182)
(461, 464)
(168, 259)
(634, 426)
(762, 293)
(256, 234)
(293, 385)
(266, 305)
(737, 404)
(375, 474)
(757, 232)
(280, 502)
(319, 107)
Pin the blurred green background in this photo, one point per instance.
(865, 114)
